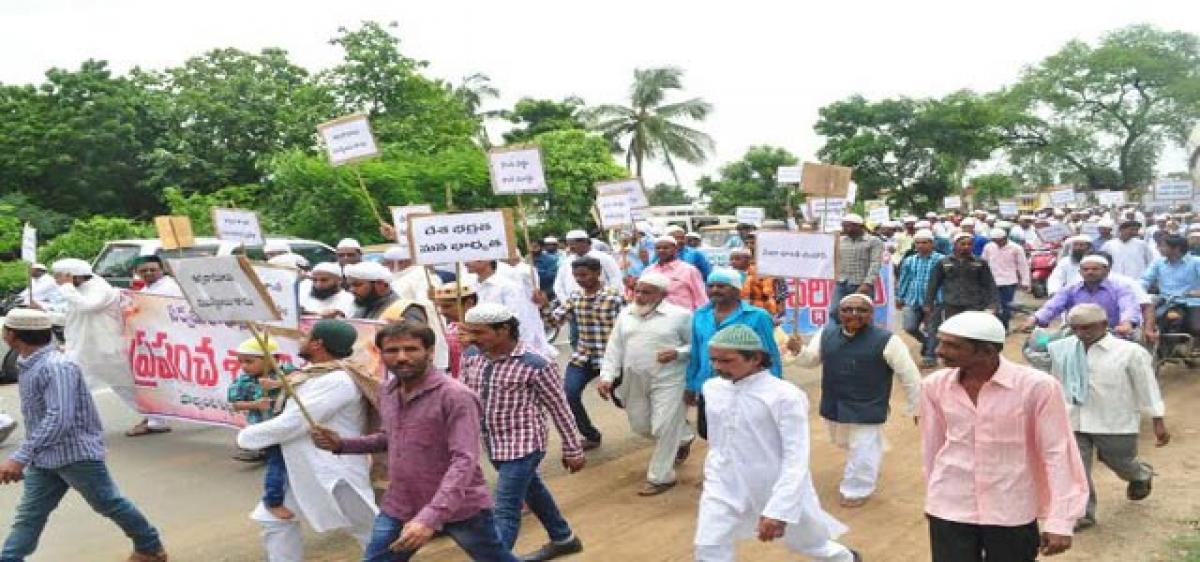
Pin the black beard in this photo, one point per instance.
(322, 294)
(1076, 256)
(369, 300)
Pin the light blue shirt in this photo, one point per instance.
(704, 326)
(62, 425)
(1173, 279)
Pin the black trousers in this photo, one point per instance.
(951, 541)
(701, 419)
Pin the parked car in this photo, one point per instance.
(115, 262)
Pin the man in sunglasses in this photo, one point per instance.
(858, 361)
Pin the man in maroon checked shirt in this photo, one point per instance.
(430, 429)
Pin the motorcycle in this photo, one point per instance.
(1042, 260)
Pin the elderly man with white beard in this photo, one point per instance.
(647, 351)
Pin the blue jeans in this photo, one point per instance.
(911, 319)
(275, 480)
(577, 378)
(516, 481)
(1004, 311)
(45, 487)
(477, 536)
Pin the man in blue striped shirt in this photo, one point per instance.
(63, 447)
(915, 271)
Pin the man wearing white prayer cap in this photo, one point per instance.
(858, 260)
(496, 288)
(409, 281)
(322, 293)
(349, 251)
(687, 286)
(1120, 301)
(647, 355)
(1010, 269)
(1025, 471)
(1066, 271)
(579, 245)
(858, 361)
(911, 283)
(960, 282)
(374, 299)
(1109, 383)
(45, 290)
(290, 260)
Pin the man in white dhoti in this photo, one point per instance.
(648, 351)
(327, 491)
(756, 476)
(858, 361)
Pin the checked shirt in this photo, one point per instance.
(595, 315)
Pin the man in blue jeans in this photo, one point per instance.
(63, 447)
(915, 272)
(859, 257)
(430, 429)
(518, 388)
(593, 308)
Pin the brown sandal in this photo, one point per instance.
(652, 489)
(143, 428)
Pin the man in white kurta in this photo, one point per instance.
(322, 293)
(1131, 256)
(45, 290)
(756, 476)
(581, 245)
(648, 348)
(847, 404)
(495, 288)
(327, 491)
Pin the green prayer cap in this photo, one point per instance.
(337, 336)
(737, 336)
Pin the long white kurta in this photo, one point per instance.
(757, 465)
(564, 281)
(500, 289)
(45, 292)
(93, 327)
(652, 391)
(329, 491)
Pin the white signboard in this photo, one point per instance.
(1062, 197)
(29, 244)
(1173, 189)
(828, 211)
(1008, 208)
(462, 237)
(224, 289)
(613, 211)
(238, 226)
(400, 223)
(348, 139)
(280, 283)
(1054, 233)
(751, 215)
(631, 188)
(952, 202)
(789, 174)
(1110, 198)
(878, 214)
(783, 253)
(1090, 229)
(516, 170)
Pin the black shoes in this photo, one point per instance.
(553, 550)
(1138, 489)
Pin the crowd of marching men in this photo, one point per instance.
(471, 376)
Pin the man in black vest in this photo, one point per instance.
(965, 282)
(857, 363)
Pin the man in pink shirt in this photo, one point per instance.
(999, 453)
(686, 288)
(1009, 268)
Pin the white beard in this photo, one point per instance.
(643, 310)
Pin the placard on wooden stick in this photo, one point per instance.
(348, 139)
(516, 170)
(174, 231)
(224, 289)
(239, 226)
(825, 180)
(631, 188)
(613, 211)
(461, 237)
(400, 223)
(808, 255)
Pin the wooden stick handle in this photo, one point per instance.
(272, 367)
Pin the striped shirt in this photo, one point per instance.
(62, 425)
(516, 392)
(594, 315)
(859, 259)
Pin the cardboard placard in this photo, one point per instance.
(174, 231)
(462, 237)
(29, 244)
(826, 180)
(828, 212)
(783, 253)
(348, 139)
(400, 223)
(614, 211)
(1054, 233)
(239, 226)
(878, 214)
(952, 202)
(1062, 197)
(517, 169)
(224, 289)
(788, 174)
(1110, 198)
(281, 284)
(1173, 189)
(751, 215)
(632, 188)
(1008, 208)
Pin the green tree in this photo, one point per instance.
(86, 237)
(652, 128)
(472, 92)
(532, 117)
(750, 182)
(1101, 115)
(574, 161)
(990, 188)
(198, 206)
(667, 194)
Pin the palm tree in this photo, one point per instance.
(650, 127)
(472, 91)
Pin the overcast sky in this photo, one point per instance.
(766, 67)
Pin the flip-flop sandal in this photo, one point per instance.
(142, 430)
(652, 489)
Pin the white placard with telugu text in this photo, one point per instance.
(461, 237)
(783, 253)
(516, 170)
(348, 139)
(224, 289)
(238, 226)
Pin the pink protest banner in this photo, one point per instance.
(182, 366)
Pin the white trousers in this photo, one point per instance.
(283, 540)
(654, 404)
(864, 456)
(722, 526)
